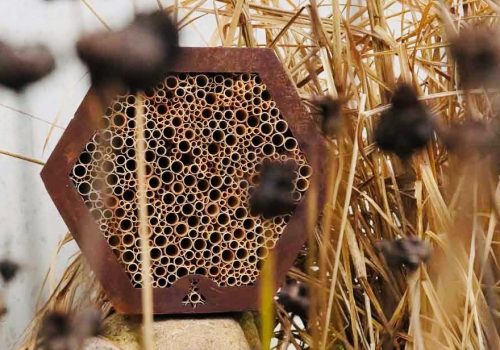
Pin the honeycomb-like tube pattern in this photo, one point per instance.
(207, 136)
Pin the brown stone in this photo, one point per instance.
(123, 333)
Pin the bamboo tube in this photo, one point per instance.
(278, 140)
(206, 254)
(245, 279)
(162, 282)
(177, 188)
(192, 196)
(176, 122)
(119, 212)
(260, 240)
(273, 112)
(189, 135)
(180, 92)
(155, 254)
(241, 115)
(215, 260)
(215, 237)
(171, 279)
(189, 254)
(231, 281)
(192, 233)
(290, 144)
(199, 244)
(172, 251)
(117, 107)
(93, 196)
(171, 82)
(80, 171)
(212, 209)
(218, 79)
(240, 213)
(200, 94)
(210, 98)
(240, 130)
(153, 221)
(182, 271)
(201, 80)
(236, 264)
(205, 220)
(252, 157)
(218, 135)
(128, 256)
(132, 268)
(99, 204)
(213, 271)
(223, 219)
(190, 99)
(296, 196)
(181, 229)
(250, 236)
(265, 128)
(137, 279)
(302, 184)
(252, 259)
(216, 249)
(185, 243)
(107, 214)
(171, 268)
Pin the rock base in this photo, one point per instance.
(124, 333)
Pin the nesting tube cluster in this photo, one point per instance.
(207, 137)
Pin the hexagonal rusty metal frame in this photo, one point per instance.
(124, 297)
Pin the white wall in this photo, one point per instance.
(30, 225)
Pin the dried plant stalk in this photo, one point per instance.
(147, 285)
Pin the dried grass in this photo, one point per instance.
(360, 51)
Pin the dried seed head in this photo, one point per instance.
(273, 196)
(87, 323)
(477, 54)
(405, 251)
(280, 175)
(330, 114)
(21, 66)
(3, 307)
(468, 138)
(8, 270)
(137, 56)
(404, 97)
(62, 331)
(294, 296)
(406, 126)
(493, 145)
(475, 137)
(54, 325)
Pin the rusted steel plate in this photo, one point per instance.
(101, 239)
